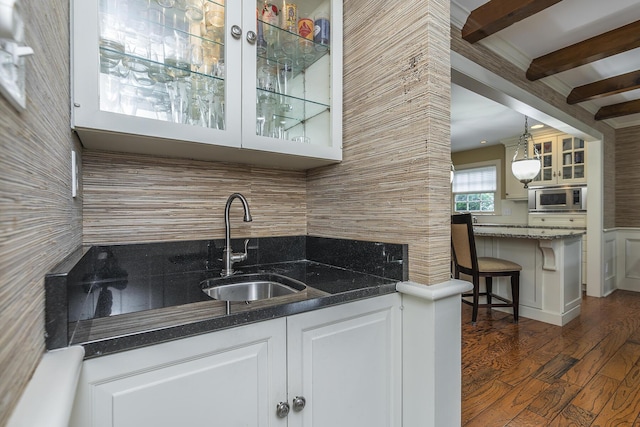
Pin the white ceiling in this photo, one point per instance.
(475, 118)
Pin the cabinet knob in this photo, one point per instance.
(298, 403)
(251, 37)
(282, 409)
(236, 31)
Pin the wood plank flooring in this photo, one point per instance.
(586, 373)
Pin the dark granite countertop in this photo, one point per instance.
(115, 298)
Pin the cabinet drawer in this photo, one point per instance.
(558, 220)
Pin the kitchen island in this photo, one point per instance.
(550, 280)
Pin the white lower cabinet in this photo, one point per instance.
(343, 361)
(346, 362)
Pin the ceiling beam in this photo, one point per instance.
(618, 110)
(607, 44)
(496, 15)
(606, 87)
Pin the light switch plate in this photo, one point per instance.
(75, 173)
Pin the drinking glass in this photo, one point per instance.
(109, 90)
(166, 3)
(214, 21)
(285, 73)
(194, 10)
(177, 56)
(112, 14)
(162, 106)
(157, 70)
(197, 57)
(156, 22)
(129, 100)
(267, 82)
(179, 95)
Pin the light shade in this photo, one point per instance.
(525, 170)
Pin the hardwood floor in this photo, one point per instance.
(586, 373)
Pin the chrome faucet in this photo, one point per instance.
(228, 256)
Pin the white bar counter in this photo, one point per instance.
(551, 260)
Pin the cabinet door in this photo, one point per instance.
(155, 76)
(205, 82)
(292, 85)
(345, 361)
(228, 378)
(546, 148)
(572, 152)
(514, 188)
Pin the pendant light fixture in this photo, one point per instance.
(525, 169)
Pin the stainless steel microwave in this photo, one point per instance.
(558, 199)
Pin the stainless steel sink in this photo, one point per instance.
(251, 287)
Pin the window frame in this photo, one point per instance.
(497, 198)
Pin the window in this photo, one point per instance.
(475, 188)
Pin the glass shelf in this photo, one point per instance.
(141, 87)
(302, 52)
(294, 110)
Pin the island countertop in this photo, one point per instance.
(526, 232)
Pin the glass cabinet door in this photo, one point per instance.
(573, 158)
(241, 81)
(292, 71)
(547, 170)
(164, 60)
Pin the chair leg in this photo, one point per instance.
(476, 298)
(488, 284)
(515, 294)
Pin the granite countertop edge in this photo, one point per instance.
(526, 232)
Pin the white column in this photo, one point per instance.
(431, 353)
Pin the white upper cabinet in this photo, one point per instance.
(563, 160)
(243, 81)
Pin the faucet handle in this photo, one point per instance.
(240, 256)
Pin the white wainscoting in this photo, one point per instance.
(609, 268)
(627, 259)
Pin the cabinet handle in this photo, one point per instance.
(282, 409)
(236, 31)
(298, 403)
(251, 37)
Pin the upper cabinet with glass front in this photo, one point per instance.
(242, 81)
(563, 160)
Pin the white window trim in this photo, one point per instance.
(497, 200)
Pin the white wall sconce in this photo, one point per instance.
(12, 53)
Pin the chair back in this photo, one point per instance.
(463, 243)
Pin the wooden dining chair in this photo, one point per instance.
(466, 260)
